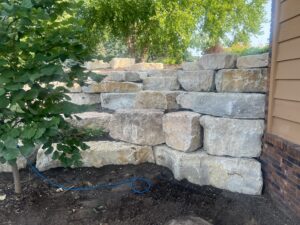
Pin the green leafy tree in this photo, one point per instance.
(36, 37)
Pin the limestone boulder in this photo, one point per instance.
(163, 73)
(169, 83)
(253, 61)
(116, 101)
(21, 162)
(129, 76)
(232, 105)
(84, 98)
(192, 66)
(201, 80)
(232, 137)
(164, 100)
(92, 120)
(146, 66)
(112, 87)
(96, 65)
(218, 61)
(101, 153)
(121, 63)
(182, 131)
(138, 126)
(242, 80)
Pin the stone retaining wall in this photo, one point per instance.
(204, 121)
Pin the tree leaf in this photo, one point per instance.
(27, 4)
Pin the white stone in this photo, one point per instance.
(147, 66)
(201, 80)
(218, 61)
(21, 162)
(112, 87)
(161, 83)
(92, 120)
(182, 131)
(138, 126)
(121, 63)
(234, 174)
(232, 137)
(232, 105)
(103, 153)
(84, 99)
(116, 101)
(157, 100)
(253, 61)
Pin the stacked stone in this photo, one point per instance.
(204, 122)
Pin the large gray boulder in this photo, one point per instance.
(114, 101)
(234, 174)
(168, 83)
(232, 137)
(128, 76)
(201, 80)
(101, 153)
(253, 61)
(182, 131)
(232, 105)
(147, 66)
(163, 73)
(242, 80)
(138, 126)
(218, 61)
(164, 100)
(112, 87)
(121, 63)
(191, 66)
(84, 99)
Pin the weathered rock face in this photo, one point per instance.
(163, 73)
(121, 63)
(231, 174)
(241, 105)
(21, 162)
(188, 221)
(130, 76)
(92, 120)
(138, 126)
(84, 99)
(192, 66)
(201, 80)
(103, 153)
(147, 66)
(218, 61)
(157, 100)
(242, 80)
(112, 87)
(116, 101)
(253, 61)
(96, 64)
(182, 131)
(232, 137)
(161, 83)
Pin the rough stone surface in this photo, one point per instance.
(116, 101)
(192, 66)
(253, 61)
(234, 174)
(232, 137)
(163, 73)
(84, 99)
(121, 63)
(92, 120)
(138, 126)
(182, 131)
(218, 61)
(201, 80)
(130, 76)
(161, 83)
(112, 87)
(103, 153)
(6, 167)
(241, 80)
(190, 220)
(96, 65)
(147, 66)
(232, 105)
(157, 100)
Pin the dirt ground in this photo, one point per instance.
(169, 199)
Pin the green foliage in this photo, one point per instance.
(36, 36)
(242, 49)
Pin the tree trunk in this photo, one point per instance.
(131, 46)
(16, 176)
(144, 55)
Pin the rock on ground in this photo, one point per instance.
(103, 153)
(121, 63)
(201, 80)
(242, 80)
(232, 105)
(218, 61)
(161, 83)
(84, 99)
(182, 131)
(147, 66)
(116, 101)
(234, 174)
(138, 126)
(164, 100)
(190, 220)
(92, 120)
(232, 137)
(112, 87)
(253, 61)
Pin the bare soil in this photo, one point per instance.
(169, 199)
